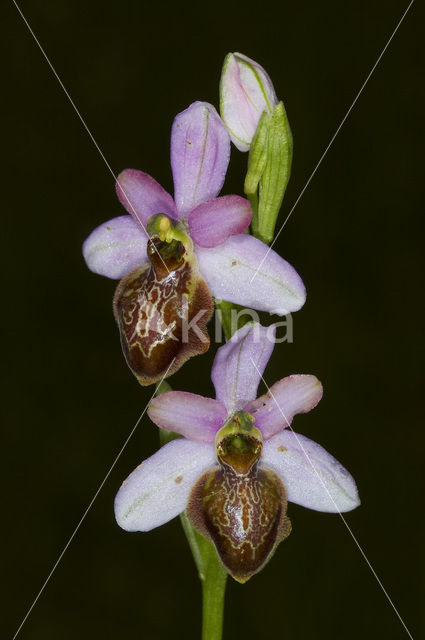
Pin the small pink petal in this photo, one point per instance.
(211, 223)
(200, 152)
(116, 247)
(142, 196)
(239, 364)
(158, 489)
(193, 416)
(275, 409)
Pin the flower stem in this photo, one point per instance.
(213, 579)
(253, 199)
(213, 593)
(232, 316)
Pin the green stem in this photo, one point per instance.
(213, 594)
(194, 540)
(232, 316)
(213, 579)
(253, 199)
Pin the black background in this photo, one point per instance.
(355, 237)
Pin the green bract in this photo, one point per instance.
(269, 169)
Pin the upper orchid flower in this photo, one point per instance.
(237, 464)
(197, 236)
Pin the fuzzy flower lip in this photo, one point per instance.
(227, 257)
(158, 490)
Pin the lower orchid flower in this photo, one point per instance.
(197, 233)
(237, 464)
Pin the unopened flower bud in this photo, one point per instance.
(246, 91)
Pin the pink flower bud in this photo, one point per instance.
(245, 92)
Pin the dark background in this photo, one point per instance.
(355, 237)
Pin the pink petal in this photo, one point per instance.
(158, 489)
(246, 271)
(312, 477)
(193, 416)
(142, 196)
(275, 409)
(200, 151)
(116, 247)
(213, 222)
(239, 364)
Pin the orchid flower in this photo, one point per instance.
(237, 464)
(196, 238)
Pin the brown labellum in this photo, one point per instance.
(240, 507)
(162, 309)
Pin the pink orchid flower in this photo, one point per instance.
(227, 257)
(238, 462)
